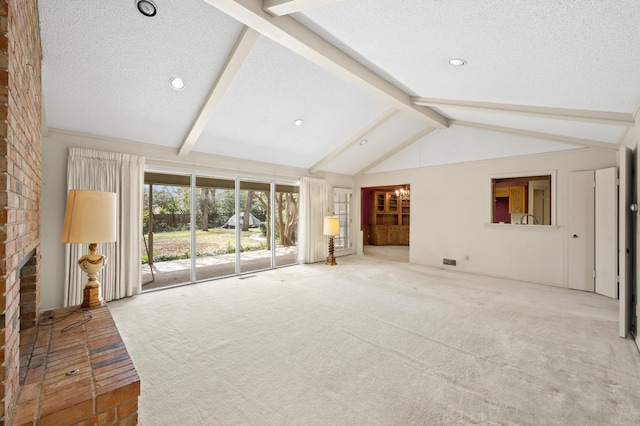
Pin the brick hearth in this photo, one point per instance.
(75, 369)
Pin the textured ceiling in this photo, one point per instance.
(384, 76)
(106, 67)
(572, 54)
(257, 113)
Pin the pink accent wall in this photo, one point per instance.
(502, 210)
(366, 205)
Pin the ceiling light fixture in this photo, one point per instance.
(363, 142)
(146, 7)
(176, 83)
(403, 193)
(298, 122)
(457, 62)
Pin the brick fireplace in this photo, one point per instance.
(20, 171)
(39, 360)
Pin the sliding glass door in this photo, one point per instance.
(198, 228)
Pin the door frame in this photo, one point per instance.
(626, 248)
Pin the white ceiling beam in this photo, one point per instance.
(421, 134)
(587, 116)
(287, 7)
(355, 139)
(541, 135)
(299, 39)
(234, 62)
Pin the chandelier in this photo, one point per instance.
(403, 193)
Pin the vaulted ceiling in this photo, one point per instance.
(540, 76)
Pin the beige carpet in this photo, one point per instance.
(396, 253)
(374, 342)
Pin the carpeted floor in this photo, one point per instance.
(375, 342)
(397, 253)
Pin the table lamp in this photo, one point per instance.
(90, 218)
(331, 229)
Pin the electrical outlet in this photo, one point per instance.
(449, 262)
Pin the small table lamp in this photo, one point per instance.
(331, 229)
(90, 218)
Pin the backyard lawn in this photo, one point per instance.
(215, 241)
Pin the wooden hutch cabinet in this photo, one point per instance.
(386, 203)
(379, 235)
(389, 219)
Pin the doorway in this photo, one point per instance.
(386, 221)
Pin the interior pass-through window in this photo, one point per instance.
(522, 200)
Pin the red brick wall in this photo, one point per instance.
(20, 166)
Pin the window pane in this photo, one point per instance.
(341, 204)
(286, 224)
(215, 233)
(166, 231)
(254, 222)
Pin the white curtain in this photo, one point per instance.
(111, 172)
(312, 244)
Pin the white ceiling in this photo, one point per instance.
(541, 76)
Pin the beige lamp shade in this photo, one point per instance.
(331, 226)
(90, 217)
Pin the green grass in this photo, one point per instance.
(214, 242)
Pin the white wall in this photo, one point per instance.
(450, 207)
(55, 147)
(451, 215)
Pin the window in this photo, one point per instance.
(523, 200)
(341, 208)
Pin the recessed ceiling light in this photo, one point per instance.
(176, 83)
(363, 142)
(146, 7)
(298, 122)
(457, 62)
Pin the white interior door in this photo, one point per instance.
(580, 258)
(606, 232)
(625, 238)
